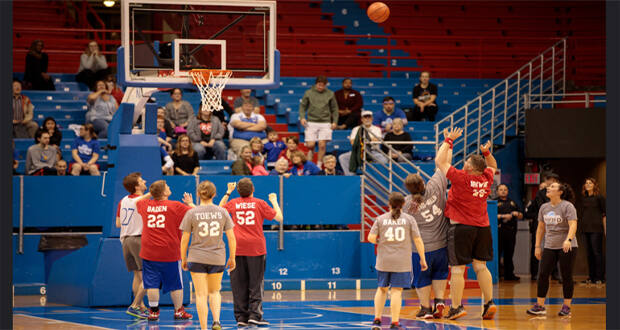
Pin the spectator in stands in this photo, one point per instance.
(93, 66)
(258, 167)
(164, 141)
(246, 95)
(61, 168)
(322, 109)
(101, 109)
(223, 118)
(424, 97)
(246, 125)
(185, 159)
(350, 103)
(292, 144)
(179, 111)
(273, 147)
(373, 133)
(281, 168)
(385, 117)
(113, 88)
(403, 151)
(243, 164)
(329, 166)
(23, 113)
(167, 164)
(35, 73)
(85, 152)
(256, 145)
(49, 125)
(168, 125)
(302, 166)
(41, 157)
(206, 132)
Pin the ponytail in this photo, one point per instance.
(396, 202)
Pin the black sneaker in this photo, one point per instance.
(438, 308)
(376, 325)
(394, 325)
(455, 313)
(489, 310)
(425, 313)
(258, 322)
(216, 326)
(537, 310)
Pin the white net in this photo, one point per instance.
(210, 83)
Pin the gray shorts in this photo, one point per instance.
(131, 252)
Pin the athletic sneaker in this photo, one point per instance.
(181, 314)
(137, 313)
(455, 313)
(537, 310)
(376, 325)
(489, 310)
(425, 313)
(439, 307)
(565, 311)
(394, 325)
(258, 322)
(153, 315)
(216, 326)
(242, 324)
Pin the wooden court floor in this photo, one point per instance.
(338, 309)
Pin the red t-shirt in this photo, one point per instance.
(161, 236)
(248, 215)
(467, 198)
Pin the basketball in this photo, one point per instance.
(378, 12)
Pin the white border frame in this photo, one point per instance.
(179, 42)
(163, 81)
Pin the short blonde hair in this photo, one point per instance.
(329, 157)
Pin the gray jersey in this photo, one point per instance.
(207, 225)
(429, 214)
(556, 223)
(394, 242)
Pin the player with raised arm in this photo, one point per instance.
(130, 223)
(426, 204)
(206, 224)
(469, 234)
(393, 233)
(247, 279)
(161, 253)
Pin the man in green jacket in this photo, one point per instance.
(322, 108)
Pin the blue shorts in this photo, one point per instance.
(395, 280)
(195, 267)
(437, 262)
(162, 275)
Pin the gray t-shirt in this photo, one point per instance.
(207, 223)
(394, 242)
(238, 102)
(429, 214)
(556, 223)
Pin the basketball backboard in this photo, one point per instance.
(163, 39)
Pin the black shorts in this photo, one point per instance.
(195, 267)
(466, 243)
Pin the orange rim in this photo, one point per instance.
(206, 73)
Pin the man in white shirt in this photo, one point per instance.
(373, 151)
(246, 125)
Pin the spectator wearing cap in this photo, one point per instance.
(350, 103)
(372, 133)
(386, 116)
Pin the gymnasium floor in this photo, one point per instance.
(339, 309)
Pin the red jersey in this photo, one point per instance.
(248, 215)
(161, 236)
(467, 198)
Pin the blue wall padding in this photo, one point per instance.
(322, 200)
(29, 266)
(263, 186)
(151, 119)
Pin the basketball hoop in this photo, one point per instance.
(210, 83)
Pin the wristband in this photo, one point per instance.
(227, 194)
(486, 153)
(450, 142)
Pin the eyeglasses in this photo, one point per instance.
(389, 102)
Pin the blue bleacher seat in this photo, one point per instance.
(215, 167)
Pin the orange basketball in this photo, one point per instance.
(378, 12)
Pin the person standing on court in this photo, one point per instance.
(321, 107)
(426, 204)
(469, 234)
(130, 223)
(593, 225)
(247, 279)
(507, 215)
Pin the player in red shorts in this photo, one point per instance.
(247, 280)
(469, 234)
(161, 249)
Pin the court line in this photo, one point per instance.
(59, 321)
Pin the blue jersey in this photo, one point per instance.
(85, 148)
(273, 150)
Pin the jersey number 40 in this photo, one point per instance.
(395, 234)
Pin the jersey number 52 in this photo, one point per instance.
(245, 217)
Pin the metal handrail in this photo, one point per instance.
(588, 99)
